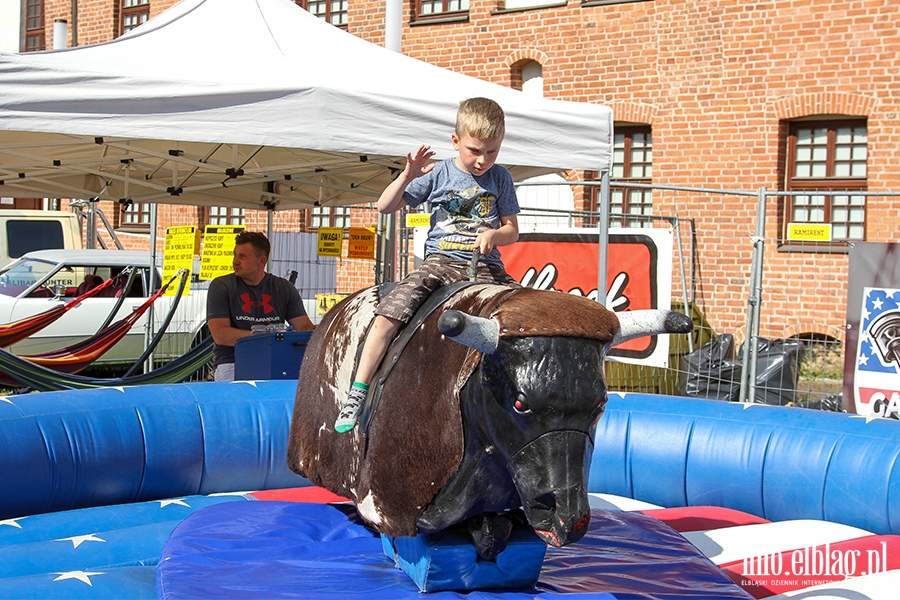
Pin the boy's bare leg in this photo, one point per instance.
(374, 348)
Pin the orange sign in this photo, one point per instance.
(361, 243)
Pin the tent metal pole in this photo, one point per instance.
(148, 331)
(393, 27)
(60, 33)
(393, 24)
(269, 227)
(603, 238)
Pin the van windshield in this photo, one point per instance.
(21, 275)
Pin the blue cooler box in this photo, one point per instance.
(275, 355)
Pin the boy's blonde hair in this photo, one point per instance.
(481, 118)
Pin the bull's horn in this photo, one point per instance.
(638, 323)
(475, 332)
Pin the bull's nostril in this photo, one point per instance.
(580, 524)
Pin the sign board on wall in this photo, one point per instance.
(361, 243)
(218, 250)
(330, 241)
(639, 275)
(180, 247)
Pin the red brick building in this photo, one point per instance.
(785, 95)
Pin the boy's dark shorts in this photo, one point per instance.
(436, 271)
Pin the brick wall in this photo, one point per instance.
(716, 80)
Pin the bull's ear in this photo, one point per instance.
(475, 332)
(638, 323)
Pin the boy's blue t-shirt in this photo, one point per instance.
(462, 206)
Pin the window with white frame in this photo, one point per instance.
(435, 8)
(329, 216)
(133, 13)
(632, 163)
(224, 215)
(333, 11)
(34, 26)
(827, 156)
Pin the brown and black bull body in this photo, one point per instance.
(497, 414)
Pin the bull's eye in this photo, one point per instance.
(520, 404)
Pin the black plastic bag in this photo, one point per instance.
(711, 371)
(777, 370)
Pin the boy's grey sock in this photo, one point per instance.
(346, 420)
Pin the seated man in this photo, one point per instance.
(248, 297)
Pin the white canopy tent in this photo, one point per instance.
(254, 104)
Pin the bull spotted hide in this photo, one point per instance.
(415, 441)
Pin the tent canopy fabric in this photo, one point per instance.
(255, 104)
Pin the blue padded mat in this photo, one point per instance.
(294, 550)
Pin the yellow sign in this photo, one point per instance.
(218, 250)
(330, 241)
(361, 243)
(418, 220)
(326, 302)
(809, 232)
(181, 244)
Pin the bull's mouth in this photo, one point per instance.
(548, 537)
(550, 474)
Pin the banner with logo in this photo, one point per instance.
(639, 275)
(872, 345)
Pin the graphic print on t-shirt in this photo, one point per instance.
(250, 303)
(462, 215)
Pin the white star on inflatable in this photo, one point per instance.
(877, 303)
(253, 383)
(79, 575)
(178, 501)
(5, 399)
(11, 522)
(863, 359)
(77, 540)
(747, 405)
(869, 418)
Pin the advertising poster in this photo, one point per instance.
(639, 275)
(872, 344)
(877, 372)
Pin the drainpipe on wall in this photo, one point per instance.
(74, 23)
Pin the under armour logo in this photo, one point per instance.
(248, 303)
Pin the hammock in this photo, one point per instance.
(76, 357)
(44, 379)
(10, 333)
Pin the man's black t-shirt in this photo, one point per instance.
(273, 301)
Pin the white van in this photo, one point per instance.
(23, 231)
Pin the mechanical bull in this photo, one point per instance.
(487, 404)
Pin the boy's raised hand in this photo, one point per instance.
(417, 165)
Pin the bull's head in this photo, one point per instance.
(538, 401)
